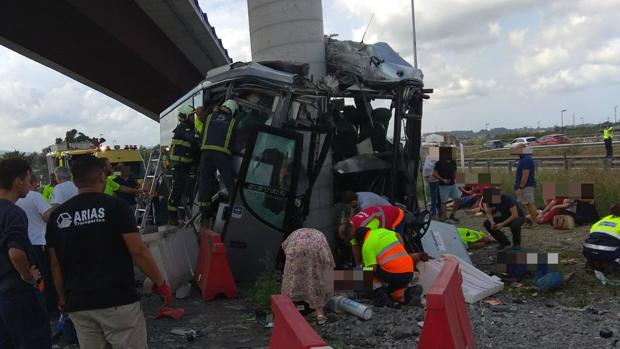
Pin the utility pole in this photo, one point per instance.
(582, 126)
(573, 120)
(415, 49)
(486, 126)
(615, 114)
(562, 118)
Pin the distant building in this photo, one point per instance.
(433, 138)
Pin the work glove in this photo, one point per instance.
(164, 292)
(424, 256)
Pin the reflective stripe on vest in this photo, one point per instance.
(609, 225)
(181, 142)
(600, 247)
(226, 147)
(182, 159)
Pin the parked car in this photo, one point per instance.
(492, 144)
(553, 139)
(522, 140)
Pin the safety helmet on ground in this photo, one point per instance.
(184, 112)
(230, 106)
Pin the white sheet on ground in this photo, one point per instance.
(443, 238)
(476, 284)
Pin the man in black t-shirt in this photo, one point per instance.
(445, 172)
(23, 317)
(503, 211)
(93, 243)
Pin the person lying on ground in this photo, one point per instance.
(602, 247)
(390, 217)
(383, 251)
(552, 210)
(501, 212)
(308, 258)
(93, 244)
(469, 196)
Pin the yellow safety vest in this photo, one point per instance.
(608, 133)
(48, 190)
(198, 126)
(609, 225)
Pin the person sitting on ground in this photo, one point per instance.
(602, 247)
(469, 196)
(383, 251)
(308, 258)
(553, 209)
(502, 210)
(389, 217)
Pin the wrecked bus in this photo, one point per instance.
(300, 143)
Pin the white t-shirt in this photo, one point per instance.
(367, 199)
(63, 192)
(34, 205)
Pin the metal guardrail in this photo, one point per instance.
(552, 146)
(566, 162)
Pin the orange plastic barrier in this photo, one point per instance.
(213, 275)
(446, 324)
(290, 329)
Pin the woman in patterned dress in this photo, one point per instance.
(308, 257)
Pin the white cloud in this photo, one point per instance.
(608, 53)
(495, 29)
(517, 38)
(539, 61)
(578, 77)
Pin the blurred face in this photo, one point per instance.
(200, 113)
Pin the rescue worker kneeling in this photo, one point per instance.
(217, 141)
(602, 247)
(383, 250)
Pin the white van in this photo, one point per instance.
(522, 140)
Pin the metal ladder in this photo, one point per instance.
(145, 207)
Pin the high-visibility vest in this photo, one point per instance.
(470, 235)
(608, 133)
(198, 126)
(381, 247)
(609, 225)
(218, 132)
(47, 192)
(111, 186)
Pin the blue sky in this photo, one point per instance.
(507, 63)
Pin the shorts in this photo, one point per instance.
(527, 196)
(449, 192)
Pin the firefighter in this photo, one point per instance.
(183, 157)
(608, 136)
(216, 154)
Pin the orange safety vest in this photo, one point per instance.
(385, 248)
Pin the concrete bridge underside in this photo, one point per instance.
(144, 53)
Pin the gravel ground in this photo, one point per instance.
(571, 317)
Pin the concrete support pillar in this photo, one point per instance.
(289, 30)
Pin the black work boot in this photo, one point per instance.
(413, 295)
(380, 297)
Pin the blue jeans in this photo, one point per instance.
(435, 200)
(23, 320)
